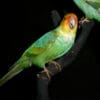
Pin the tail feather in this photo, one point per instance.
(15, 69)
(11, 73)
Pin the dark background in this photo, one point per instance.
(23, 23)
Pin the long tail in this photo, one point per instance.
(15, 69)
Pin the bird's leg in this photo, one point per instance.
(48, 73)
(58, 66)
(83, 20)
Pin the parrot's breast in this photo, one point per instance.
(55, 50)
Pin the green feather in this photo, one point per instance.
(15, 69)
(90, 8)
(95, 4)
(48, 48)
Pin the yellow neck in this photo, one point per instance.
(67, 31)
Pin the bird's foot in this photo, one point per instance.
(58, 66)
(42, 74)
(83, 20)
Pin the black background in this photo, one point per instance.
(23, 23)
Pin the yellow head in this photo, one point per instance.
(69, 24)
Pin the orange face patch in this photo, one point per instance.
(66, 19)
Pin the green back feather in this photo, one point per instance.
(49, 47)
(40, 45)
(90, 9)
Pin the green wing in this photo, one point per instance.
(41, 44)
(97, 1)
(95, 4)
(90, 8)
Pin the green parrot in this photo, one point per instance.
(91, 8)
(47, 48)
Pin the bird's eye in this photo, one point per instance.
(72, 22)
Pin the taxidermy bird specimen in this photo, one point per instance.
(47, 48)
